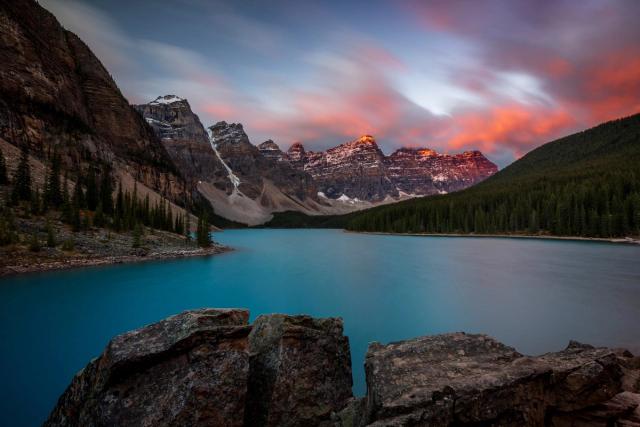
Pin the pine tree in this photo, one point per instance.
(179, 227)
(52, 193)
(4, 178)
(169, 220)
(78, 192)
(99, 219)
(187, 229)
(118, 213)
(36, 206)
(74, 218)
(22, 179)
(92, 190)
(8, 233)
(106, 191)
(204, 237)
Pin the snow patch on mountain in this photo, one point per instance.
(235, 181)
(167, 99)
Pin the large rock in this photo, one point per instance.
(204, 368)
(300, 371)
(190, 369)
(209, 367)
(461, 379)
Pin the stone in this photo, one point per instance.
(210, 367)
(190, 369)
(466, 379)
(300, 371)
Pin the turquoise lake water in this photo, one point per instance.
(532, 294)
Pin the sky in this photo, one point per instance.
(500, 76)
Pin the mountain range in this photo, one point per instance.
(247, 183)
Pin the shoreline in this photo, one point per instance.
(619, 240)
(77, 263)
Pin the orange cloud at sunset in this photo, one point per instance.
(516, 126)
(499, 76)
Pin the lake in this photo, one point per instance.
(534, 295)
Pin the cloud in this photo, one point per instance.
(110, 44)
(502, 76)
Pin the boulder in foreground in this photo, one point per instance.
(210, 367)
(470, 380)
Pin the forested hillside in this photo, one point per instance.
(586, 184)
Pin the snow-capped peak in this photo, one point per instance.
(167, 99)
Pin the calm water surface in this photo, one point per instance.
(534, 295)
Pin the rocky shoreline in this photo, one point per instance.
(211, 367)
(93, 246)
(72, 263)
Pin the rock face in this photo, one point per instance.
(464, 380)
(355, 169)
(55, 94)
(210, 368)
(270, 150)
(185, 139)
(425, 172)
(171, 118)
(359, 169)
(190, 369)
(252, 167)
(300, 370)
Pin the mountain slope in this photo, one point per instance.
(586, 184)
(55, 95)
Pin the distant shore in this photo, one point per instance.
(625, 240)
(79, 262)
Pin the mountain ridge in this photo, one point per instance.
(585, 184)
(248, 183)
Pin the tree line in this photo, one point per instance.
(607, 206)
(92, 200)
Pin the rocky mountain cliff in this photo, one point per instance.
(172, 119)
(185, 139)
(359, 169)
(211, 367)
(247, 183)
(222, 165)
(56, 95)
(422, 171)
(252, 167)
